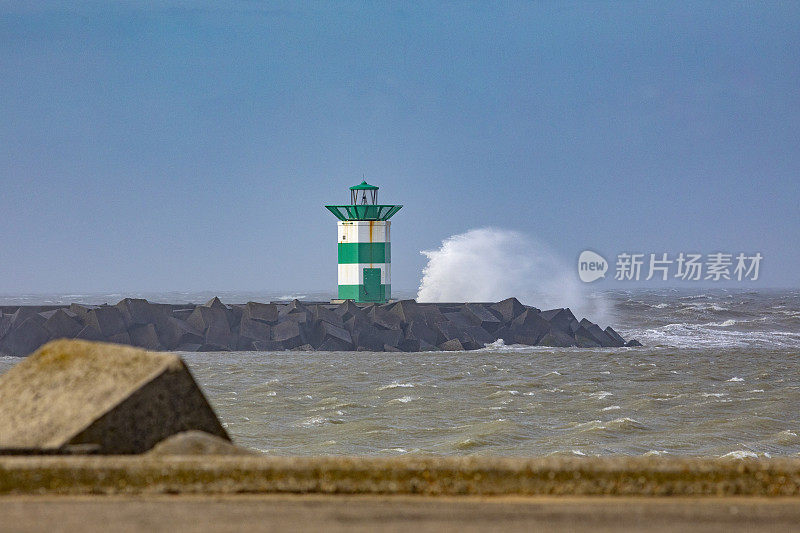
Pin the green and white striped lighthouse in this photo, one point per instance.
(365, 259)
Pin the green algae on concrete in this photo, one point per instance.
(114, 399)
(207, 474)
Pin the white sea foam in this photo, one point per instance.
(602, 394)
(403, 399)
(736, 379)
(725, 324)
(312, 421)
(611, 408)
(741, 454)
(395, 385)
(490, 264)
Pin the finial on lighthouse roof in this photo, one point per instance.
(363, 186)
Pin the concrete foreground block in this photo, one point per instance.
(197, 443)
(116, 399)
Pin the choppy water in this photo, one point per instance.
(720, 375)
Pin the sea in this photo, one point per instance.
(719, 376)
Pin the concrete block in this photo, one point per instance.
(294, 306)
(458, 319)
(632, 343)
(118, 398)
(288, 333)
(138, 312)
(219, 333)
(145, 336)
(182, 314)
(189, 347)
(597, 334)
(478, 315)
(470, 344)
(357, 323)
(333, 344)
(384, 319)
(107, 320)
(82, 311)
(299, 314)
(407, 311)
(323, 331)
(387, 348)
(560, 320)
(211, 347)
(432, 314)
(254, 329)
(448, 331)
(325, 314)
(303, 348)
(62, 324)
(480, 335)
(557, 339)
(616, 337)
(174, 332)
(24, 313)
(89, 333)
(419, 330)
(529, 327)
(451, 345)
(197, 443)
(427, 347)
(203, 318)
(406, 345)
(392, 337)
(235, 313)
(262, 312)
(506, 334)
(120, 338)
(509, 309)
(268, 346)
(369, 339)
(5, 324)
(25, 337)
(585, 339)
(216, 303)
(348, 310)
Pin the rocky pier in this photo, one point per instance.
(405, 325)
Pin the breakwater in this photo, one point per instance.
(404, 325)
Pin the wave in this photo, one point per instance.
(491, 264)
(689, 335)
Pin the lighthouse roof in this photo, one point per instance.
(363, 186)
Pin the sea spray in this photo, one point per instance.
(491, 264)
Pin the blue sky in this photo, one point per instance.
(158, 146)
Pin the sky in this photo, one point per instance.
(158, 146)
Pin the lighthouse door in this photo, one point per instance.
(372, 285)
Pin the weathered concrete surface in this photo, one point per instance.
(612, 476)
(336, 513)
(117, 398)
(198, 443)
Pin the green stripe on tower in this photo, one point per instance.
(357, 293)
(364, 252)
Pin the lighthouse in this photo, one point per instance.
(364, 246)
